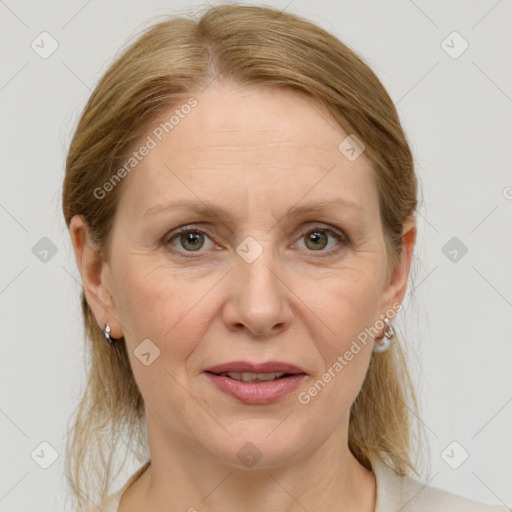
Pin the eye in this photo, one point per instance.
(317, 239)
(188, 239)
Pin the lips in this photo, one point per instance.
(250, 367)
(259, 389)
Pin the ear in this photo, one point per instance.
(95, 275)
(397, 277)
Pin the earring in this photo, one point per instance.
(382, 344)
(109, 339)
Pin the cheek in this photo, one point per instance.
(155, 303)
(347, 305)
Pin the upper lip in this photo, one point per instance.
(250, 367)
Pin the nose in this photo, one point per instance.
(257, 297)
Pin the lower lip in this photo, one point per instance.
(257, 393)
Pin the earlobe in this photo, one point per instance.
(94, 274)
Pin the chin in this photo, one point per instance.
(264, 444)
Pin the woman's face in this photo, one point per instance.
(292, 271)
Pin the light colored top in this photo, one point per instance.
(394, 494)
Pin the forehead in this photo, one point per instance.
(250, 143)
(258, 120)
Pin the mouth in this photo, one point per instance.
(249, 377)
(248, 367)
(256, 384)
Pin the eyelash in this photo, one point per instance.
(337, 234)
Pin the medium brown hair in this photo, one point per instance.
(169, 61)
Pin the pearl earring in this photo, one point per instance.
(108, 339)
(382, 344)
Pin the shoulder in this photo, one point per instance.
(420, 497)
(409, 495)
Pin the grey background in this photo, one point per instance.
(457, 317)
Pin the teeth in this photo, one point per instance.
(251, 377)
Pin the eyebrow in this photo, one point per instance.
(207, 209)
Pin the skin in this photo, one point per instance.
(257, 153)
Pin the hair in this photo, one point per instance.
(169, 61)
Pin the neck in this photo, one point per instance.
(182, 478)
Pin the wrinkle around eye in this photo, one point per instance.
(334, 233)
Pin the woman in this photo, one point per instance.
(241, 201)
